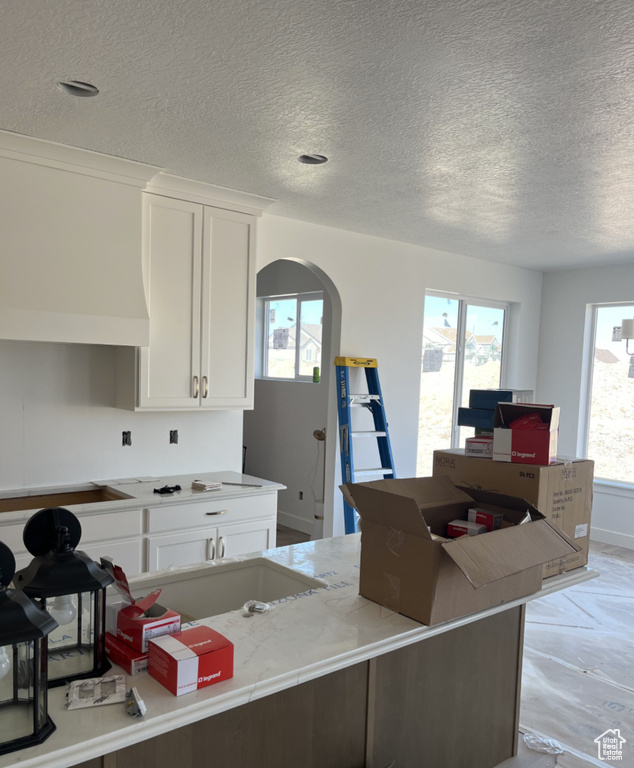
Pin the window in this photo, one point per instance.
(288, 319)
(462, 350)
(610, 411)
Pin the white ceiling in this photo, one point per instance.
(501, 129)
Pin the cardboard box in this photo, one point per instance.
(409, 569)
(525, 446)
(192, 659)
(562, 492)
(489, 398)
(127, 657)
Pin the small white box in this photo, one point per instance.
(479, 446)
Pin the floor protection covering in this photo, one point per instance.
(578, 678)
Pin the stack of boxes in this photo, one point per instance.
(143, 636)
(131, 623)
(481, 415)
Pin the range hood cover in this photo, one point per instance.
(71, 238)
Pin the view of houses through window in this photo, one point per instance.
(462, 350)
(287, 319)
(611, 401)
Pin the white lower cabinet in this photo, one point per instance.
(235, 540)
(128, 554)
(97, 530)
(171, 534)
(188, 547)
(176, 549)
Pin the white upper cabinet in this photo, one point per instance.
(200, 282)
(169, 369)
(70, 235)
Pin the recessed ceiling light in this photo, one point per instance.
(77, 88)
(313, 159)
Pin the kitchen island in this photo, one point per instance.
(324, 678)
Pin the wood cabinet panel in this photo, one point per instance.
(452, 700)
(319, 724)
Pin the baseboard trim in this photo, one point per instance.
(625, 540)
(295, 522)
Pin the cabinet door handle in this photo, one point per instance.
(222, 546)
(196, 390)
(205, 386)
(211, 549)
(219, 512)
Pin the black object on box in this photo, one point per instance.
(489, 398)
(475, 417)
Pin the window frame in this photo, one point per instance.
(463, 304)
(300, 298)
(583, 434)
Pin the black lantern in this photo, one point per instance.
(72, 588)
(24, 719)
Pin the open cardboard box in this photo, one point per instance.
(562, 492)
(432, 579)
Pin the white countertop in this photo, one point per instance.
(140, 493)
(303, 637)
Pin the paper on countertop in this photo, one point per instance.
(96, 691)
(201, 485)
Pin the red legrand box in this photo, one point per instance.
(525, 434)
(192, 659)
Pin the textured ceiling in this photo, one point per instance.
(494, 128)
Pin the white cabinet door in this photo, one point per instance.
(169, 369)
(200, 280)
(234, 540)
(228, 309)
(176, 549)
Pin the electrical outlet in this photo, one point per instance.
(173, 436)
(301, 495)
(126, 438)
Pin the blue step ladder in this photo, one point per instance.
(372, 400)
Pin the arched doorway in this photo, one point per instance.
(279, 434)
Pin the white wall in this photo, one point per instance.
(562, 377)
(382, 286)
(56, 401)
(58, 424)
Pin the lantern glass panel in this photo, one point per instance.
(71, 645)
(17, 715)
(42, 685)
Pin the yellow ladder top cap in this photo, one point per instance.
(357, 362)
